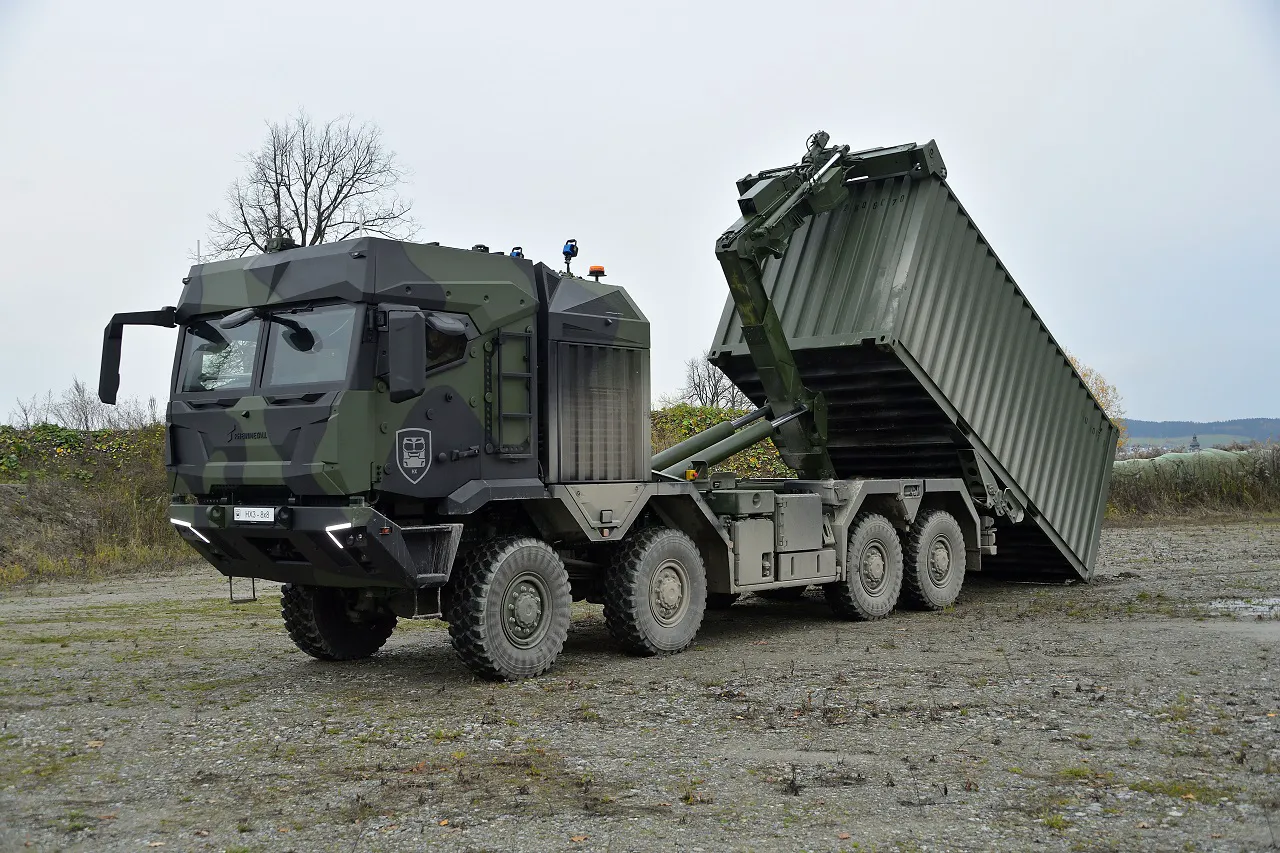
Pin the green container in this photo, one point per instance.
(900, 313)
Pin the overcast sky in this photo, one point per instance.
(1120, 157)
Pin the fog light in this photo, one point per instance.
(217, 514)
(284, 515)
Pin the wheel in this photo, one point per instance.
(786, 593)
(873, 571)
(321, 622)
(721, 600)
(935, 560)
(655, 592)
(509, 608)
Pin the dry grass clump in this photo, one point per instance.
(83, 504)
(1245, 482)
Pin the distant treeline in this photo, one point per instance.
(1247, 429)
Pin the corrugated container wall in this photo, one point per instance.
(903, 316)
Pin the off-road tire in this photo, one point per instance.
(921, 586)
(664, 556)
(321, 623)
(852, 598)
(786, 593)
(721, 600)
(481, 581)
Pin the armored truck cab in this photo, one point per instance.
(393, 429)
(320, 392)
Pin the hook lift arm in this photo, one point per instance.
(774, 204)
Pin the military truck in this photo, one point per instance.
(396, 430)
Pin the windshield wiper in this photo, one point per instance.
(298, 336)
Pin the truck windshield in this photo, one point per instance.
(215, 359)
(309, 346)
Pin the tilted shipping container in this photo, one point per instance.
(902, 316)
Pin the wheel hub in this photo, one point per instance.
(871, 569)
(523, 609)
(668, 599)
(940, 561)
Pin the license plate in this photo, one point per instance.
(254, 513)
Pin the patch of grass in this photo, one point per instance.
(693, 795)
(1056, 822)
(1180, 710)
(1180, 789)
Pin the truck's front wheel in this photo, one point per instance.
(323, 623)
(655, 592)
(508, 608)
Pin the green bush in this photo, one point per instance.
(674, 424)
(83, 503)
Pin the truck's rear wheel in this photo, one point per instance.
(935, 560)
(322, 622)
(509, 608)
(873, 571)
(655, 592)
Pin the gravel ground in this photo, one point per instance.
(1135, 713)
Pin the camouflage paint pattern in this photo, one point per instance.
(343, 452)
(345, 442)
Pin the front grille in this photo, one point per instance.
(603, 413)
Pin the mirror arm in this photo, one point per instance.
(112, 342)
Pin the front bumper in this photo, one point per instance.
(320, 546)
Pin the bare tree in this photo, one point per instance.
(29, 413)
(78, 407)
(705, 385)
(314, 184)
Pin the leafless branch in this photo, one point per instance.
(705, 385)
(316, 183)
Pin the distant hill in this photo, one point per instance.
(1178, 433)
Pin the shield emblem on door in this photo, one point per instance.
(413, 453)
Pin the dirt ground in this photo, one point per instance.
(1135, 713)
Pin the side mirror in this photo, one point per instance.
(406, 354)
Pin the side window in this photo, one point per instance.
(446, 340)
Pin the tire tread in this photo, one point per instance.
(839, 594)
(304, 620)
(622, 604)
(467, 605)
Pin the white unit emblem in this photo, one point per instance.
(414, 452)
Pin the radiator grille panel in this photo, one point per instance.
(603, 413)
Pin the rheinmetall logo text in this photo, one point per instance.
(242, 436)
